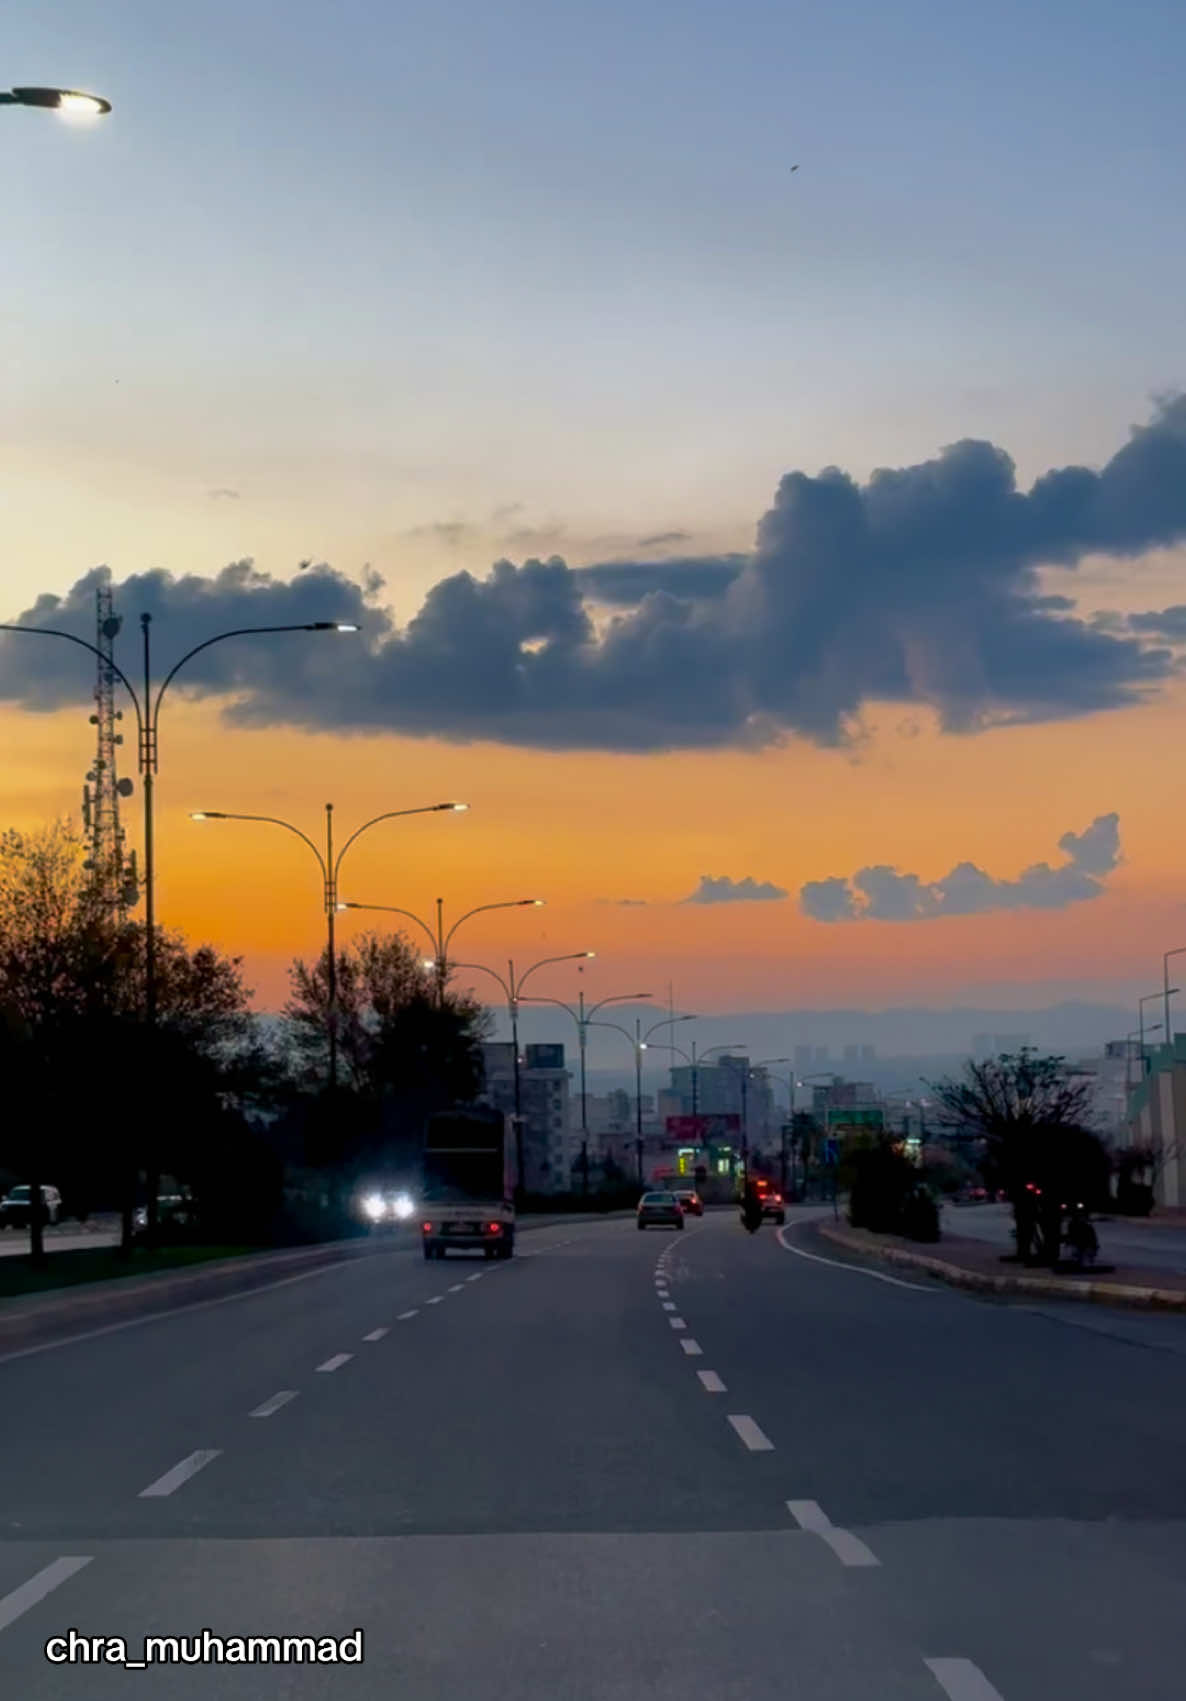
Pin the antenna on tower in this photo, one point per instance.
(113, 870)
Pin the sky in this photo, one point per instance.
(786, 566)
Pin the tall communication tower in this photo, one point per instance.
(114, 870)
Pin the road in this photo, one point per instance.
(1120, 1242)
(696, 1467)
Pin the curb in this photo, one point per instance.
(1049, 1287)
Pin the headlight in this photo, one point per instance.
(375, 1207)
(402, 1206)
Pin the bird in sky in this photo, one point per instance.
(301, 565)
(794, 168)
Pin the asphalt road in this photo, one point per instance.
(1120, 1242)
(696, 1466)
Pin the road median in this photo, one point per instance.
(972, 1264)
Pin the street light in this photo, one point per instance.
(514, 989)
(148, 716)
(71, 103)
(582, 1018)
(747, 1075)
(1142, 1030)
(330, 866)
(639, 1045)
(1167, 989)
(441, 939)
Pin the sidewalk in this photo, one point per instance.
(977, 1264)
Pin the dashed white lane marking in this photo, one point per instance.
(837, 1264)
(849, 1549)
(275, 1403)
(375, 1335)
(335, 1363)
(35, 1589)
(753, 1437)
(711, 1382)
(691, 1347)
(962, 1681)
(172, 1480)
(476, 1277)
(435, 1300)
(404, 1315)
(457, 1287)
(677, 1323)
(669, 1305)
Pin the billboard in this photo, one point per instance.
(544, 1056)
(703, 1130)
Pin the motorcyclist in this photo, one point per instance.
(751, 1208)
(1080, 1235)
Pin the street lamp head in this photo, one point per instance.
(428, 962)
(71, 103)
(588, 953)
(459, 807)
(206, 815)
(533, 903)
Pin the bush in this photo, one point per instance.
(920, 1216)
(1134, 1200)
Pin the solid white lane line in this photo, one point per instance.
(435, 1300)
(837, 1264)
(172, 1480)
(669, 1305)
(677, 1323)
(375, 1335)
(404, 1315)
(712, 1382)
(335, 1363)
(275, 1403)
(42, 1583)
(962, 1681)
(753, 1437)
(457, 1287)
(849, 1549)
(691, 1347)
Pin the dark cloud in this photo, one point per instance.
(659, 540)
(725, 891)
(1168, 624)
(882, 894)
(223, 494)
(918, 588)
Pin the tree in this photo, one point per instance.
(1024, 1115)
(403, 1052)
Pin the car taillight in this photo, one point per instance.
(495, 1228)
(427, 1227)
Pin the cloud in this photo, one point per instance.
(658, 540)
(1168, 624)
(223, 494)
(917, 588)
(880, 893)
(726, 891)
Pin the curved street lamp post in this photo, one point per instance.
(440, 940)
(330, 865)
(639, 1045)
(514, 991)
(72, 103)
(148, 714)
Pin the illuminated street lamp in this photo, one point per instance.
(71, 103)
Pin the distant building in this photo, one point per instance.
(868, 1054)
(852, 1054)
(821, 1055)
(544, 1089)
(1157, 1120)
(804, 1056)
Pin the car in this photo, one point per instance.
(773, 1208)
(690, 1201)
(15, 1207)
(171, 1208)
(660, 1208)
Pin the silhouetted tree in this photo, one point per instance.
(1026, 1113)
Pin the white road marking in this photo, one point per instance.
(275, 1403)
(712, 1382)
(752, 1435)
(476, 1277)
(691, 1347)
(677, 1323)
(669, 1305)
(457, 1287)
(375, 1335)
(435, 1300)
(849, 1549)
(837, 1264)
(172, 1480)
(335, 1363)
(962, 1681)
(404, 1315)
(42, 1583)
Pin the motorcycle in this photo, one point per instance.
(1080, 1236)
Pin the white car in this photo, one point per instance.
(16, 1206)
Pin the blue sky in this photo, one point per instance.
(384, 263)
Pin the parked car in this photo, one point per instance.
(17, 1204)
(690, 1201)
(171, 1208)
(660, 1208)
